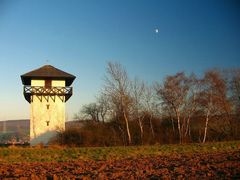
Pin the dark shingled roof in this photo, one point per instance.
(47, 72)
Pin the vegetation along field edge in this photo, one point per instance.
(63, 154)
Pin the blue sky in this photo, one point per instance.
(80, 37)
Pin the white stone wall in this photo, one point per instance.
(46, 117)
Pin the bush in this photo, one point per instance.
(90, 134)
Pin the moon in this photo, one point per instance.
(156, 30)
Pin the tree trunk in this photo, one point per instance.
(179, 126)
(127, 127)
(141, 128)
(151, 126)
(206, 126)
(187, 131)
(173, 127)
(103, 117)
(124, 141)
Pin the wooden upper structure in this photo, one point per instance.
(47, 92)
(47, 72)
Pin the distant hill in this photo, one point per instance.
(19, 130)
(24, 125)
(14, 131)
(14, 125)
(74, 124)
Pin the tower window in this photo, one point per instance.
(48, 83)
(47, 123)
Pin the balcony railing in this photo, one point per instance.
(64, 93)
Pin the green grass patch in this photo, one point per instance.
(51, 154)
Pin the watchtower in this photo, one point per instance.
(46, 89)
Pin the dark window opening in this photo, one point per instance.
(48, 83)
(47, 123)
(48, 106)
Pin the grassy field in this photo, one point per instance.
(64, 154)
(189, 161)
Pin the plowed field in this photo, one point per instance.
(211, 165)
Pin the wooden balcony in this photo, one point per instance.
(41, 92)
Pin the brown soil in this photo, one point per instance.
(224, 165)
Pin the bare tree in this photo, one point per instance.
(117, 86)
(150, 106)
(236, 84)
(190, 102)
(234, 87)
(170, 114)
(205, 99)
(91, 111)
(235, 99)
(213, 98)
(137, 92)
(103, 106)
(177, 94)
